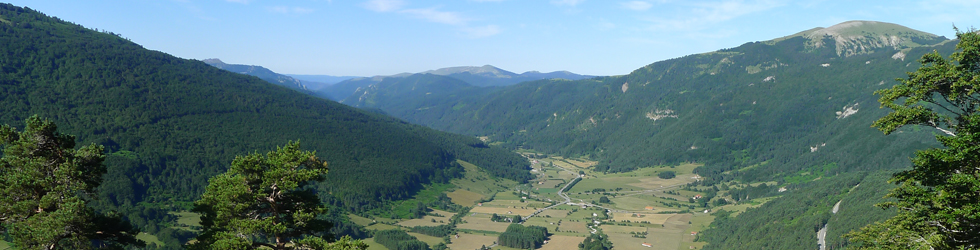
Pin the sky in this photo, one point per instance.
(385, 37)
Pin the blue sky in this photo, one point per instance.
(383, 37)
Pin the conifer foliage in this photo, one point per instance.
(265, 201)
(44, 183)
(939, 198)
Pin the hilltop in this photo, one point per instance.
(168, 124)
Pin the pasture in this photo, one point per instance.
(651, 218)
(562, 242)
(431, 240)
(428, 219)
(482, 224)
(464, 197)
(471, 241)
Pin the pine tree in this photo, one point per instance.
(263, 201)
(938, 200)
(44, 183)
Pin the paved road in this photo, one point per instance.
(560, 193)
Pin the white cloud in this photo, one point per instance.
(287, 10)
(636, 5)
(698, 16)
(566, 2)
(484, 31)
(384, 5)
(436, 16)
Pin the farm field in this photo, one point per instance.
(562, 242)
(428, 219)
(659, 219)
(464, 197)
(471, 241)
(431, 240)
(372, 245)
(482, 224)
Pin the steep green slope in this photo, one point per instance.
(795, 111)
(260, 72)
(788, 103)
(170, 123)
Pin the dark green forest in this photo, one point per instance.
(168, 124)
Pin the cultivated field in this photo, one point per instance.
(503, 211)
(428, 219)
(622, 229)
(431, 240)
(652, 218)
(464, 197)
(471, 241)
(483, 224)
(562, 242)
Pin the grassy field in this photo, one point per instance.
(431, 240)
(427, 195)
(428, 219)
(360, 220)
(189, 221)
(148, 238)
(478, 185)
(373, 245)
(483, 224)
(464, 197)
(471, 241)
(562, 242)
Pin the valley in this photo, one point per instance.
(772, 144)
(632, 208)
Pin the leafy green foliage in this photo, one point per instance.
(265, 197)
(168, 124)
(790, 222)
(667, 175)
(44, 182)
(437, 231)
(597, 241)
(399, 240)
(939, 198)
(519, 236)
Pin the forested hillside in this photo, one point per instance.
(168, 124)
(260, 72)
(785, 105)
(794, 112)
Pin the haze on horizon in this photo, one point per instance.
(384, 37)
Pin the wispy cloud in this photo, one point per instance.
(636, 5)
(571, 3)
(436, 16)
(483, 31)
(433, 14)
(288, 10)
(384, 5)
(696, 16)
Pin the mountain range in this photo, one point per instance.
(795, 111)
(484, 76)
(168, 124)
(787, 119)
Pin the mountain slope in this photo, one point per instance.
(260, 72)
(169, 124)
(484, 76)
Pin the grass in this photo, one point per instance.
(372, 245)
(480, 182)
(737, 209)
(362, 221)
(562, 242)
(471, 241)
(145, 237)
(431, 240)
(5, 245)
(425, 196)
(189, 221)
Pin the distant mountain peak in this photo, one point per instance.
(863, 37)
(488, 70)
